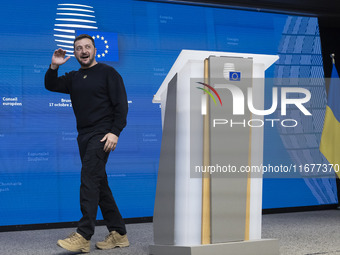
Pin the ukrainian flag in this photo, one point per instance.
(330, 138)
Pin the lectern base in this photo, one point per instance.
(254, 247)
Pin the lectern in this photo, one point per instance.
(204, 204)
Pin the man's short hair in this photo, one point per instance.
(82, 36)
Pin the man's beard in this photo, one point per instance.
(86, 64)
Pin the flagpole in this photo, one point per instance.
(333, 58)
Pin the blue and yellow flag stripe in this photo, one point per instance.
(330, 139)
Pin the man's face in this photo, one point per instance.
(85, 52)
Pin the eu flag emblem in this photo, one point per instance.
(235, 76)
(106, 44)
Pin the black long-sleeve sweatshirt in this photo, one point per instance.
(98, 97)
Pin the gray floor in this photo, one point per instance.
(299, 233)
(304, 233)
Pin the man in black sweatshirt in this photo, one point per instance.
(100, 105)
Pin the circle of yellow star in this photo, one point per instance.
(102, 38)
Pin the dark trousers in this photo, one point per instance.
(94, 188)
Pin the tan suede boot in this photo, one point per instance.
(112, 240)
(76, 243)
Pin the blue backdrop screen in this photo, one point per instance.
(40, 164)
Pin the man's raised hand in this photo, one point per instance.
(58, 58)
